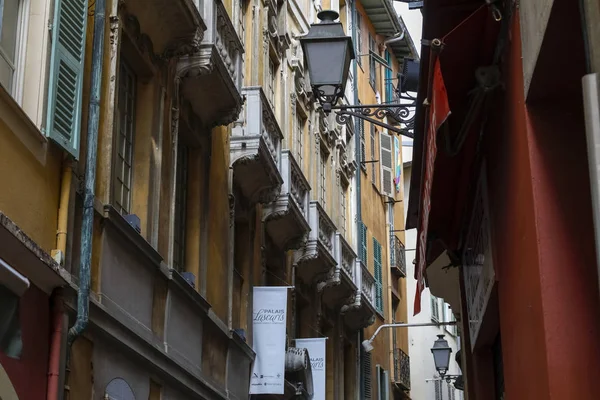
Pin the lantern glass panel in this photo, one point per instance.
(326, 62)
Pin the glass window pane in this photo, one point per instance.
(6, 74)
(10, 24)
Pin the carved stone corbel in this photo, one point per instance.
(184, 46)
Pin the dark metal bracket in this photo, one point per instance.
(374, 113)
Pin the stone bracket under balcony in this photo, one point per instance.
(286, 218)
(315, 260)
(211, 77)
(170, 28)
(256, 149)
(359, 311)
(340, 285)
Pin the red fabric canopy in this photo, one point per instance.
(438, 113)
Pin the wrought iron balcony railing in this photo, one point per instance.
(402, 369)
(398, 256)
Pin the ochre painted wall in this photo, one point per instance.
(218, 224)
(31, 176)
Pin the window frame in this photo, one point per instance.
(372, 62)
(359, 43)
(435, 308)
(373, 134)
(16, 86)
(323, 159)
(181, 193)
(343, 207)
(298, 144)
(124, 66)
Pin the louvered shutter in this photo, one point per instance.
(378, 275)
(363, 243)
(66, 74)
(367, 377)
(386, 164)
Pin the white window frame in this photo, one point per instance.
(323, 156)
(435, 308)
(298, 144)
(16, 89)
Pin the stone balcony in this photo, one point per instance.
(340, 287)
(286, 219)
(360, 312)
(211, 78)
(316, 259)
(256, 149)
(166, 29)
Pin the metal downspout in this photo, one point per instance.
(83, 295)
(358, 194)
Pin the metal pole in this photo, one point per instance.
(414, 325)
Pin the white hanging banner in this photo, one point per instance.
(316, 352)
(269, 322)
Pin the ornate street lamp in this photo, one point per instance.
(327, 55)
(441, 358)
(441, 355)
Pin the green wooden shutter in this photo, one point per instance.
(66, 74)
(363, 243)
(378, 276)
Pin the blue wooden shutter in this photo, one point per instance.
(378, 276)
(66, 74)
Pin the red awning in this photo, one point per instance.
(438, 112)
(468, 44)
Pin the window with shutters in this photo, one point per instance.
(10, 38)
(366, 360)
(389, 80)
(450, 391)
(363, 242)
(271, 81)
(323, 178)
(125, 132)
(343, 209)
(66, 73)
(373, 147)
(435, 309)
(438, 390)
(363, 148)
(449, 317)
(181, 188)
(372, 62)
(385, 162)
(299, 137)
(378, 276)
(358, 37)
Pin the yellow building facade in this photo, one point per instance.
(215, 172)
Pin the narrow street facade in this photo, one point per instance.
(161, 160)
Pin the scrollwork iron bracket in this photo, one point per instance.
(375, 113)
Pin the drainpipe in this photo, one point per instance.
(395, 38)
(56, 340)
(358, 202)
(63, 213)
(83, 295)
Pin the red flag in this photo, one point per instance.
(439, 111)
